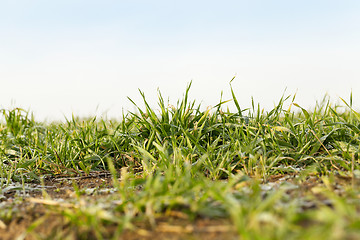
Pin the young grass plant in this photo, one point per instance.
(203, 163)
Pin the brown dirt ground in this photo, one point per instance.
(31, 210)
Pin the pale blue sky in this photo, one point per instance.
(86, 57)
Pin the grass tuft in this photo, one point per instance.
(287, 173)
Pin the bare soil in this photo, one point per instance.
(32, 211)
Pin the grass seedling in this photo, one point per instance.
(284, 173)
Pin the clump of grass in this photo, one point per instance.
(251, 140)
(204, 163)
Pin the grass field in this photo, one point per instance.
(180, 172)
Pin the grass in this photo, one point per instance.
(287, 173)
